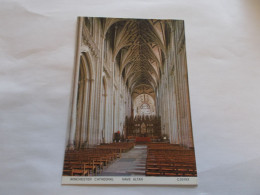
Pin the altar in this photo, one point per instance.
(142, 139)
(143, 127)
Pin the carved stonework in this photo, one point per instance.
(181, 42)
(107, 71)
(143, 126)
(87, 40)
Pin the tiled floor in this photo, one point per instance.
(131, 163)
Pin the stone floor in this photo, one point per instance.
(131, 163)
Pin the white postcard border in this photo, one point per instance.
(133, 180)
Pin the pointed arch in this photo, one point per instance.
(87, 59)
(84, 97)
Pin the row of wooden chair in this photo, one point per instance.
(91, 161)
(165, 159)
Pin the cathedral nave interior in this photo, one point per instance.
(130, 96)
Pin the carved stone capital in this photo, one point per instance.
(88, 40)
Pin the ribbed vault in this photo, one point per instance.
(139, 48)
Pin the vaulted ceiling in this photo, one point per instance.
(139, 47)
(143, 89)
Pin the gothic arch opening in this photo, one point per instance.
(144, 105)
(83, 104)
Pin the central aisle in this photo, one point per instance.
(131, 163)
